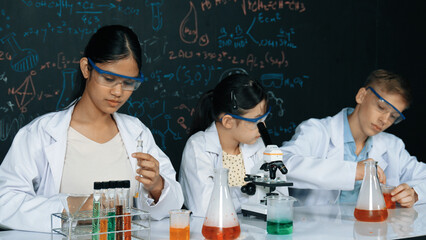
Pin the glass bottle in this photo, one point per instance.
(371, 206)
(221, 221)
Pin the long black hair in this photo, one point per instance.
(236, 94)
(110, 43)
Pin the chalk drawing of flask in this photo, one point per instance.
(157, 19)
(23, 60)
(68, 87)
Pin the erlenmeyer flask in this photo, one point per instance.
(371, 206)
(221, 220)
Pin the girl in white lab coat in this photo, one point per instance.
(64, 152)
(224, 133)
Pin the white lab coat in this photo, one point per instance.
(31, 172)
(202, 154)
(315, 161)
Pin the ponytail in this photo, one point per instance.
(203, 114)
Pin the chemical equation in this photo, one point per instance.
(61, 28)
(194, 75)
(240, 39)
(256, 5)
(276, 59)
(277, 80)
(81, 7)
(22, 60)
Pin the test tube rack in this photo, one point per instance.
(79, 225)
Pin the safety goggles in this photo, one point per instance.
(384, 106)
(251, 122)
(110, 79)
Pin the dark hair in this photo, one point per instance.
(108, 44)
(390, 82)
(235, 94)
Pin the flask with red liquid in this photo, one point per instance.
(221, 220)
(370, 206)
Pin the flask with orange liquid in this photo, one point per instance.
(370, 206)
(221, 220)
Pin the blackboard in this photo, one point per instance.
(310, 55)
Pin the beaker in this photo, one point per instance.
(371, 206)
(280, 214)
(179, 224)
(386, 190)
(221, 221)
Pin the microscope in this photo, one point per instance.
(263, 184)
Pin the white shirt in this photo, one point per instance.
(87, 161)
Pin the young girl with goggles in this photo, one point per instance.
(224, 134)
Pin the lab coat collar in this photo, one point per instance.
(212, 137)
(378, 149)
(336, 128)
(57, 128)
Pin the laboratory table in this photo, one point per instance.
(315, 222)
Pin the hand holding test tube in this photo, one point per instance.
(149, 173)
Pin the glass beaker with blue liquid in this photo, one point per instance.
(280, 214)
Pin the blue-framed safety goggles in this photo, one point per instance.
(140, 79)
(253, 120)
(399, 116)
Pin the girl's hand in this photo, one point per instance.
(150, 171)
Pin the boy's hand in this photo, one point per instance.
(360, 168)
(405, 195)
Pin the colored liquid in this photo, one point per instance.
(279, 227)
(119, 222)
(371, 215)
(127, 226)
(95, 222)
(221, 233)
(389, 203)
(103, 228)
(111, 226)
(179, 233)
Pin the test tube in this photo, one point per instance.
(104, 211)
(111, 210)
(119, 210)
(96, 209)
(127, 217)
(139, 148)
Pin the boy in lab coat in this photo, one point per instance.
(325, 156)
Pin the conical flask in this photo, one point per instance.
(221, 220)
(371, 206)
